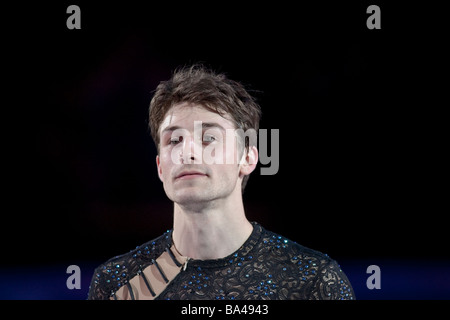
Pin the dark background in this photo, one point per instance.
(361, 176)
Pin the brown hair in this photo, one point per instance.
(214, 92)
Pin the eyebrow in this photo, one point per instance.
(205, 125)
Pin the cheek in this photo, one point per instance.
(165, 164)
(225, 153)
(213, 154)
(227, 174)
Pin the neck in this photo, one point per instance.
(210, 232)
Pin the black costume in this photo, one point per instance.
(266, 266)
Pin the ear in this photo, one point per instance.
(158, 165)
(249, 161)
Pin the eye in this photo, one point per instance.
(175, 140)
(208, 138)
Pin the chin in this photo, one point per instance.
(189, 196)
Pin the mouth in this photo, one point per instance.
(190, 175)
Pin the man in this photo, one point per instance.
(199, 121)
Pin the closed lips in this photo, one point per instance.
(187, 174)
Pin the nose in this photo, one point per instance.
(190, 151)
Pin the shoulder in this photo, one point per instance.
(111, 275)
(315, 274)
(296, 252)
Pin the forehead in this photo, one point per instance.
(185, 114)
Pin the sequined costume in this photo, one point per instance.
(266, 266)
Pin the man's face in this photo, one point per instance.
(197, 155)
